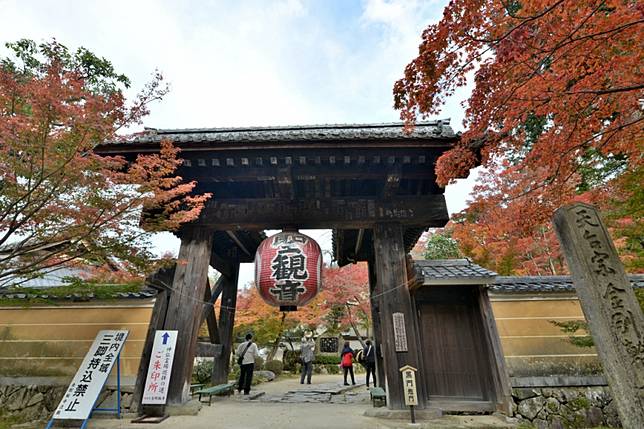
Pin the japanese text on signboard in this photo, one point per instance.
(81, 394)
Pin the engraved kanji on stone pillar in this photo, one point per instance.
(614, 317)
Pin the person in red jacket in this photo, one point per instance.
(346, 361)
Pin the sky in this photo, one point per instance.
(249, 62)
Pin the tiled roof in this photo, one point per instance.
(55, 278)
(143, 294)
(545, 284)
(425, 129)
(448, 271)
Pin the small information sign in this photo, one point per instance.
(400, 334)
(81, 395)
(158, 379)
(409, 385)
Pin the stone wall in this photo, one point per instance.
(565, 407)
(37, 402)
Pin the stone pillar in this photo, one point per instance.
(185, 307)
(399, 333)
(614, 317)
(221, 367)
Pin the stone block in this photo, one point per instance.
(524, 393)
(35, 399)
(555, 422)
(552, 405)
(126, 400)
(594, 416)
(17, 400)
(529, 408)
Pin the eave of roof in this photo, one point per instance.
(452, 272)
(545, 284)
(426, 130)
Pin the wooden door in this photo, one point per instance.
(456, 360)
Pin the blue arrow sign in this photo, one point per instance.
(165, 338)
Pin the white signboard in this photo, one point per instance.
(158, 379)
(88, 382)
(400, 334)
(409, 385)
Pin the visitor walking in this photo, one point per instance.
(346, 359)
(307, 348)
(246, 354)
(369, 356)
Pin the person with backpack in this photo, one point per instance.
(346, 361)
(369, 361)
(246, 354)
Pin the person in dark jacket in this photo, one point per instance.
(369, 357)
(346, 359)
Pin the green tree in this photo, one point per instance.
(441, 245)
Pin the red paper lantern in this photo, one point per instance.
(288, 270)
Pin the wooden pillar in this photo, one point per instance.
(502, 389)
(400, 345)
(375, 320)
(185, 307)
(221, 368)
(161, 281)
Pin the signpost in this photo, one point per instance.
(409, 386)
(158, 379)
(609, 304)
(79, 400)
(400, 333)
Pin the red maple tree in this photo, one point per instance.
(328, 310)
(555, 116)
(59, 200)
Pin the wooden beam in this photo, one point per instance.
(185, 307)
(375, 293)
(500, 378)
(359, 241)
(350, 213)
(221, 368)
(238, 242)
(221, 265)
(285, 183)
(162, 282)
(208, 350)
(156, 322)
(392, 182)
(397, 316)
(210, 316)
(335, 171)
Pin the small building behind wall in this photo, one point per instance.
(462, 363)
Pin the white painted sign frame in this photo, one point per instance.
(82, 393)
(157, 380)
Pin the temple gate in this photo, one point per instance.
(373, 185)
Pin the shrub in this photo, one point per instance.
(327, 359)
(291, 360)
(202, 371)
(332, 369)
(259, 362)
(275, 366)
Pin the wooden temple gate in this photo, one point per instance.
(373, 185)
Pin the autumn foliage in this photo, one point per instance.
(55, 107)
(328, 310)
(555, 116)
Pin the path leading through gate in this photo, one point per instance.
(326, 403)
